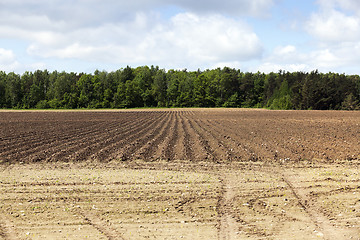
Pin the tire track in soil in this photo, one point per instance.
(227, 226)
(323, 224)
(7, 231)
(100, 225)
(179, 206)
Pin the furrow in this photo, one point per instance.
(220, 148)
(194, 150)
(237, 147)
(37, 134)
(261, 146)
(144, 139)
(188, 153)
(58, 151)
(201, 140)
(124, 146)
(179, 144)
(42, 149)
(172, 139)
(153, 147)
(48, 150)
(99, 145)
(32, 142)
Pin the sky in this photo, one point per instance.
(250, 35)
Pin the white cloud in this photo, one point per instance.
(289, 58)
(342, 58)
(8, 60)
(202, 33)
(286, 58)
(334, 26)
(6, 56)
(325, 59)
(349, 5)
(186, 39)
(213, 38)
(274, 67)
(234, 7)
(82, 11)
(287, 50)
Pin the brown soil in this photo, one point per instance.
(193, 135)
(179, 174)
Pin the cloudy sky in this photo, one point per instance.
(251, 35)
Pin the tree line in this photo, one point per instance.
(154, 87)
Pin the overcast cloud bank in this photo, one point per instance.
(70, 35)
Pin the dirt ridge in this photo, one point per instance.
(101, 225)
(325, 227)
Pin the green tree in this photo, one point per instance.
(133, 96)
(35, 96)
(282, 97)
(257, 97)
(200, 85)
(26, 83)
(144, 81)
(85, 87)
(119, 97)
(3, 103)
(126, 74)
(232, 101)
(246, 90)
(96, 100)
(108, 98)
(296, 89)
(270, 85)
(229, 83)
(14, 95)
(160, 88)
(350, 103)
(70, 100)
(172, 91)
(184, 89)
(309, 90)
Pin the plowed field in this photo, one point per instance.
(179, 174)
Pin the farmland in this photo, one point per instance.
(179, 174)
